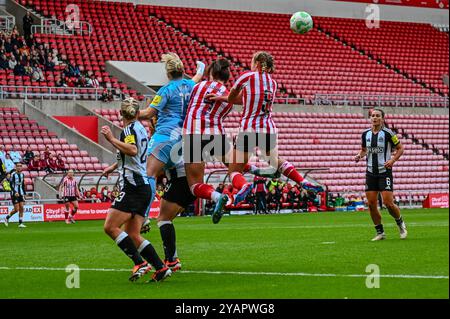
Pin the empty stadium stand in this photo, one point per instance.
(17, 131)
(308, 66)
(419, 50)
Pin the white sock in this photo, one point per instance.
(215, 196)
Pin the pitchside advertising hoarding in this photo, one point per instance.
(436, 201)
(87, 211)
(32, 213)
(55, 212)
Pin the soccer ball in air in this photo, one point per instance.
(301, 22)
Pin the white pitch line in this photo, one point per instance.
(242, 273)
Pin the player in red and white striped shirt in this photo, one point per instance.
(256, 90)
(203, 129)
(68, 190)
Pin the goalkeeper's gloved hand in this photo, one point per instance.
(200, 67)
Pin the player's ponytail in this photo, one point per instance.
(129, 108)
(265, 61)
(174, 65)
(219, 70)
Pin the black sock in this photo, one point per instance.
(168, 237)
(20, 221)
(149, 253)
(379, 229)
(399, 221)
(8, 217)
(126, 244)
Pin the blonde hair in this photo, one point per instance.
(129, 108)
(265, 61)
(174, 65)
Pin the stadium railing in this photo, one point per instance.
(50, 93)
(7, 23)
(381, 100)
(85, 179)
(55, 26)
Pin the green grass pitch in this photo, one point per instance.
(322, 255)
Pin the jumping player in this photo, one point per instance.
(256, 91)
(69, 192)
(17, 194)
(169, 104)
(130, 207)
(203, 133)
(377, 143)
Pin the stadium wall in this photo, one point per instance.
(326, 8)
(45, 116)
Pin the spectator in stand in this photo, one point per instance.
(28, 69)
(30, 41)
(15, 155)
(38, 75)
(9, 164)
(4, 63)
(93, 82)
(52, 164)
(27, 23)
(105, 194)
(43, 163)
(35, 164)
(12, 62)
(107, 96)
(61, 164)
(47, 153)
(8, 46)
(28, 156)
(49, 64)
(115, 193)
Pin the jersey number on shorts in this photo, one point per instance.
(120, 197)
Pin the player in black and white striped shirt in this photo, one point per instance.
(17, 194)
(129, 208)
(377, 143)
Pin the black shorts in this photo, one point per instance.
(133, 199)
(198, 148)
(247, 141)
(178, 192)
(16, 200)
(70, 199)
(383, 182)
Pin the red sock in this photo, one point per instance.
(202, 191)
(237, 180)
(290, 172)
(66, 214)
(74, 211)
